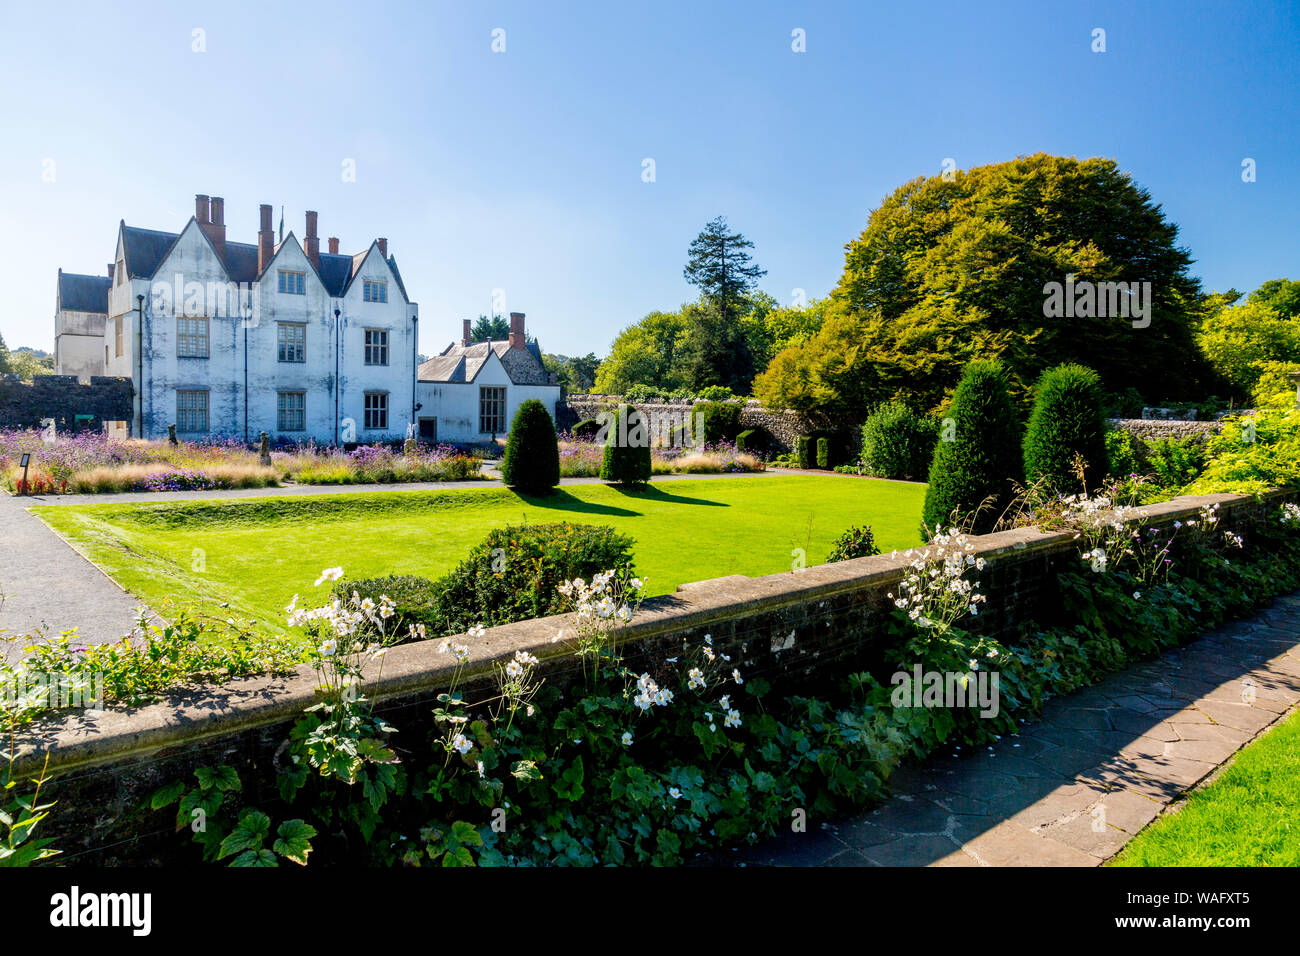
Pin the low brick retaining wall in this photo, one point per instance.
(801, 630)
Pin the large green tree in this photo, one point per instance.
(645, 353)
(949, 270)
(720, 265)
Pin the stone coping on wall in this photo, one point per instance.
(192, 715)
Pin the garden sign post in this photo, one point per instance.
(26, 460)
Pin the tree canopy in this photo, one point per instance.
(951, 269)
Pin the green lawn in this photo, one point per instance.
(1249, 816)
(256, 553)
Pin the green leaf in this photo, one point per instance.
(525, 770)
(222, 778)
(166, 796)
(466, 834)
(294, 841)
(260, 858)
(248, 834)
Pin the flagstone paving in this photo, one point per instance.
(1071, 788)
(47, 587)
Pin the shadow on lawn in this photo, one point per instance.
(561, 500)
(652, 493)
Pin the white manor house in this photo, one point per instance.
(230, 339)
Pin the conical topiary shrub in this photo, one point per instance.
(1067, 421)
(978, 455)
(532, 459)
(627, 448)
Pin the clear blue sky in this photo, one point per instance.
(522, 170)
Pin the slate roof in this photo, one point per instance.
(146, 249)
(78, 293)
(461, 363)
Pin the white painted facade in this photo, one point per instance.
(243, 374)
(194, 320)
(457, 405)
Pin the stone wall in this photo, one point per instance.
(664, 416)
(1153, 428)
(63, 398)
(802, 631)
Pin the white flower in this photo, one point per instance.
(329, 574)
(735, 675)
(627, 738)
(292, 605)
(461, 652)
(674, 793)
(733, 719)
(462, 744)
(514, 670)
(481, 772)
(1137, 595)
(696, 678)
(477, 631)
(724, 702)
(328, 648)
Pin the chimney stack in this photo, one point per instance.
(215, 227)
(464, 335)
(313, 241)
(334, 245)
(383, 247)
(201, 208)
(265, 239)
(517, 340)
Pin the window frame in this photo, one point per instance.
(117, 335)
(192, 337)
(374, 418)
(300, 345)
(206, 408)
(300, 280)
(380, 348)
(379, 285)
(500, 393)
(282, 408)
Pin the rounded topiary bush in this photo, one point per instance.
(897, 442)
(1067, 423)
(532, 459)
(971, 475)
(627, 448)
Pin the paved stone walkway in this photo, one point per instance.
(47, 586)
(1072, 788)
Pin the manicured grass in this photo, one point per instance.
(255, 553)
(1249, 815)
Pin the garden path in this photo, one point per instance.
(1077, 784)
(47, 586)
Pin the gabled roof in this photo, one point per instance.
(462, 363)
(145, 250)
(78, 293)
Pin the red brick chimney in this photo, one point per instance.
(201, 208)
(215, 227)
(265, 239)
(517, 340)
(464, 335)
(383, 247)
(313, 241)
(334, 245)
